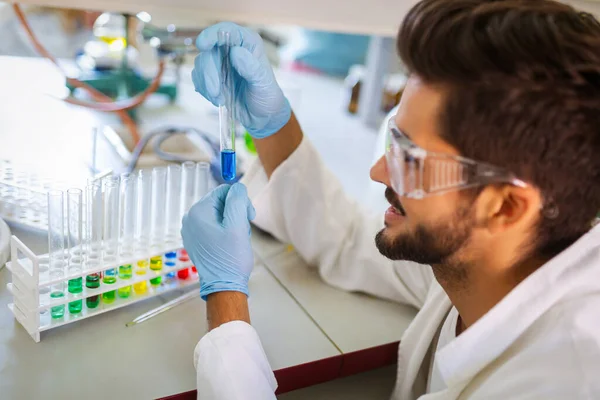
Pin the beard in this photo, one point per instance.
(435, 244)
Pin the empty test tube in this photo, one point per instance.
(127, 221)
(202, 180)
(173, 202)
(111, 233)
(188, 186)
(227, 110)
(74, 245)
(93, 239)
(56, 247)
(142, 228)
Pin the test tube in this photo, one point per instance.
(202, 179)
(188, 197)
(173, 212)
(56, 247)
(93, 239)
(227, 110)
(127, 226)
(159, 225)
(111, 233)
(173, 202)
(142, 226)
(74, 245)
(188, 186)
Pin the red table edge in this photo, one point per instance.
(324, 370)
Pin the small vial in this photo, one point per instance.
(202, 180)
(92, 281)
(93, 240)
(56, 246)
(142, 228)
(156, 264)
(127, 220)
(125, 272)
(173, 203)
(171, 262)
(111, 233)
(94, 222)
(75, 243)
(227, 122)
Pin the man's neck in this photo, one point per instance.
(480, 289)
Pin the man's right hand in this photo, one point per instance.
(261, 106)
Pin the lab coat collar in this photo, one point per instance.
(574, 271)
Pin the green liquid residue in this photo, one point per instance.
(57, 311)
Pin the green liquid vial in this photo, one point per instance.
(57, 311)
(124, 292)
(92, 301)
(93, 282)
(125, 271)
(75, 307)
(156, 265)
(75, 286)
(156, 281)
(109, 297)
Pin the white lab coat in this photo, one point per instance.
(542, 341)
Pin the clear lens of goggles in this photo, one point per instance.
(416, 173)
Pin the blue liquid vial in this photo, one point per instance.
(171, 262)
(228, 165)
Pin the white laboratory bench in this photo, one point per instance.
(312, 333)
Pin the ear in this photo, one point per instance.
(504, 207)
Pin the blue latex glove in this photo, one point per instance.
(216, 235)
(261, 106)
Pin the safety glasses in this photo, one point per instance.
(417, 173)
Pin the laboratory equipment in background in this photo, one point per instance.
(122, 221)
(227, 124)
(109, 62)
(23, 192)
(393, 87)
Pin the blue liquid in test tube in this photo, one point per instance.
(228, 165)
(227, 122)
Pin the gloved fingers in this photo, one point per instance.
(238, 36)
(236, 206)
(213, 204)
(245, 64)
(251, 211)
(218, 198)
(206, 76)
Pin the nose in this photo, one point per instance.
(379, 172)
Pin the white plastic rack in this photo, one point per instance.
(31, 283)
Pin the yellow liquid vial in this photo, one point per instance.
(141, 287)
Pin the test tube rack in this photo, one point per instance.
(23, 196)
(30, 286)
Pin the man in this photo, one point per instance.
(492, 171)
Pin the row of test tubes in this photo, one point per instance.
(23, 195)
(125, 217)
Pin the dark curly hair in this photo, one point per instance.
(523, 80)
